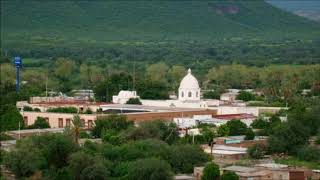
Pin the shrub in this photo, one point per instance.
(27, 108)
(134, 101)
(153, 169)
(211, 172)
(88, 111)
(229, 176)
(236, 127)
(249, 134)
(40, 123)
(245, 96)
(63, 110)
(256, 151)
(115, 122)
(308, 154)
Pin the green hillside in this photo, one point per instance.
(63, 23)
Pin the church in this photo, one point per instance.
(189, 96)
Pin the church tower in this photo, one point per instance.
(189, 89)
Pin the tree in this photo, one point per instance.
(256, 151)
(229, 176)
(236, 127)
(211, 95)
(25, 162)
(176, 73)
(260, 123)
(40, 123)
(181, 164)
(245, 96)
(113, 121)
(10, 118)
(87, 166)
(64, 67)
(154, 129)
(157, 72)
(249, 134)
(134, 101)
(223, 130)
(152, 169)
(76, 127)
(211, 172)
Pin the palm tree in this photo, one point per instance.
(76, 128)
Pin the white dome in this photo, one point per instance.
(189, 82)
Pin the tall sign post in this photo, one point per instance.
(18, 63)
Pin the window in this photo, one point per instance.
(83, 122)
(60, 123)
(25, 120)
(47, 119)
(197, 94)
(89, 123)
(189, 94)
(182, 94)
(68, 122)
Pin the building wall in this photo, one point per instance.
(256, 111)
(55, 118)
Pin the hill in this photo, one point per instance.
(65, 23)
(306, 8)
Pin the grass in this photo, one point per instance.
(292, 161)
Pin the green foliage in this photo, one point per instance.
(63, 110)
(181, 164)
(27, 108)
(211, 95)
(10, 118)
(249, 134)
(134, 101)
(25, 162)
(110, 122)
(245, 96)
(154, 129)
(40, 123)
(256, 151)
(85, 166)
(307, 153)
(211, 172)
(223, 130)
(88, 111)
(236, 127)
(260, 123)
(153, 169)
(229, 176)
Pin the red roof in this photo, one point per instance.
(55, 103)
(234, 116)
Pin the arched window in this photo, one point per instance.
(189, 94)
(182, 94)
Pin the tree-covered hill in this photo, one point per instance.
(46, 23)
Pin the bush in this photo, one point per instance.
(211, 95)
(236, 127)
(260, 124)
(153, 169)
(245, 96)
(249, 134)
(134, 101)
(308, 154)
(27, 108)
(223, 130)
(256, 151)
(88, 111)
(113, 121)
(229, 176)
(63, 110)
(40, 123)
(211, 172)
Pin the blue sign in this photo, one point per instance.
(17, 61)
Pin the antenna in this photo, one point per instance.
(134, 75)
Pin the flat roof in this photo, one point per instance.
(27, 131)
(242, 169)
(148, 108)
